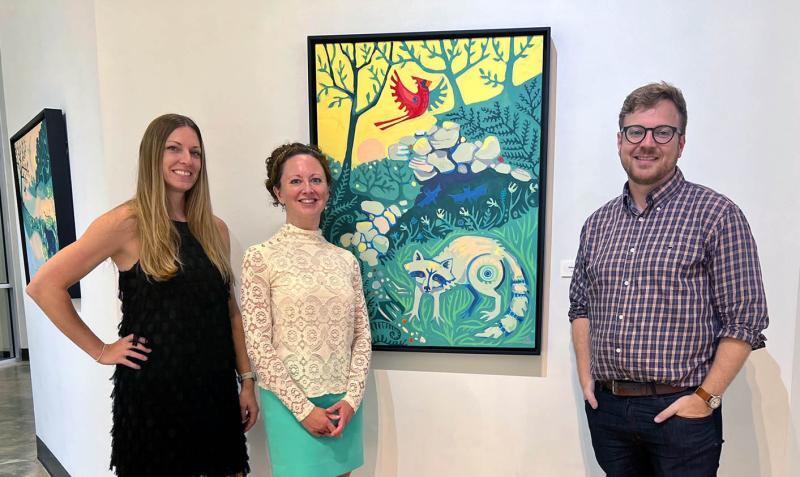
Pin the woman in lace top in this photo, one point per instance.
(306, 327)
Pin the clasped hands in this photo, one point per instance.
(328, 422)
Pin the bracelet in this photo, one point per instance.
(101, 353)
(247, 375)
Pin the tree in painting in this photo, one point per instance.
(436, 149)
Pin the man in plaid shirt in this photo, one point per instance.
(666, 303)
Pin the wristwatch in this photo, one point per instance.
(712, 400)
(247, 375)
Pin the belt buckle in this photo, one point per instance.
(614, 387)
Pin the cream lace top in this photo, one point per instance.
(305, 319)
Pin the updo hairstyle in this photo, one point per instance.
(281, 154)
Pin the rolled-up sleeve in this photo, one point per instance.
(735, 273)
(578, 299)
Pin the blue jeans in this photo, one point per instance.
(627, 443)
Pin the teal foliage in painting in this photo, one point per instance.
(335, 166)
(386, 181)
(514, 117)
(342, 210)
(43, 184)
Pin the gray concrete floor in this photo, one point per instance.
(17, 432)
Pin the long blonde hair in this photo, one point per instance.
(158, 238)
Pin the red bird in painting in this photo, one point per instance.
(414, 104)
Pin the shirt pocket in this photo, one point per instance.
(678, 269)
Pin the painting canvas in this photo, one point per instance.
(437, 146)
(44, 190)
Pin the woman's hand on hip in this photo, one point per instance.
(120, 351)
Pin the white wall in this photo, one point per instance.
(239, 69)
(49, 59)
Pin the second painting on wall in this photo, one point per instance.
(44, 190)
(437, 145)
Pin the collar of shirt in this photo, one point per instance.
(659, 195)
(291, 232)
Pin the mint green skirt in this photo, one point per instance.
(294, 452)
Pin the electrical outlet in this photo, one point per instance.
(567, 267)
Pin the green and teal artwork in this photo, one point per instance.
(44, 190)
(437, 142)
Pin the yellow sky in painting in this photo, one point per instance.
(333, 122)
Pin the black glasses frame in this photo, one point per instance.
(674, 130)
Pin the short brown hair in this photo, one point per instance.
(648, 95)
(281, 154)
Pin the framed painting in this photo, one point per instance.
(44, 190)
(437, 142)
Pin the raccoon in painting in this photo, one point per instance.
(477, 263)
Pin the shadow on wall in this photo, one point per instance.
(754, 405)
(380, 431)
(792, 444)
(592, 468)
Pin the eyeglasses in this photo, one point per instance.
(661, 134)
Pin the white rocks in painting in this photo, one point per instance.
(421, 165)
(370, 256)
(489, 149)
(446, 136)
(477, 166)
(465, 152)
(399, 152)
(442, 150)
(422, 147)
(372, 207)
(382, 224)
(422, 176)
(370, 234)
(521, 175)
(440, 161)
(370, 240)
(502, 168)
(381, 244)
(395, 210)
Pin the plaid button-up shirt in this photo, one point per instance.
(660, 287)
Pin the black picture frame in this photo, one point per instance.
(386, 67)
(40, 158)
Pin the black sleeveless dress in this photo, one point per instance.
(178, 415)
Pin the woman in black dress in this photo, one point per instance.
(176, 411)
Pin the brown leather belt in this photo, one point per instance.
(634, 389)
